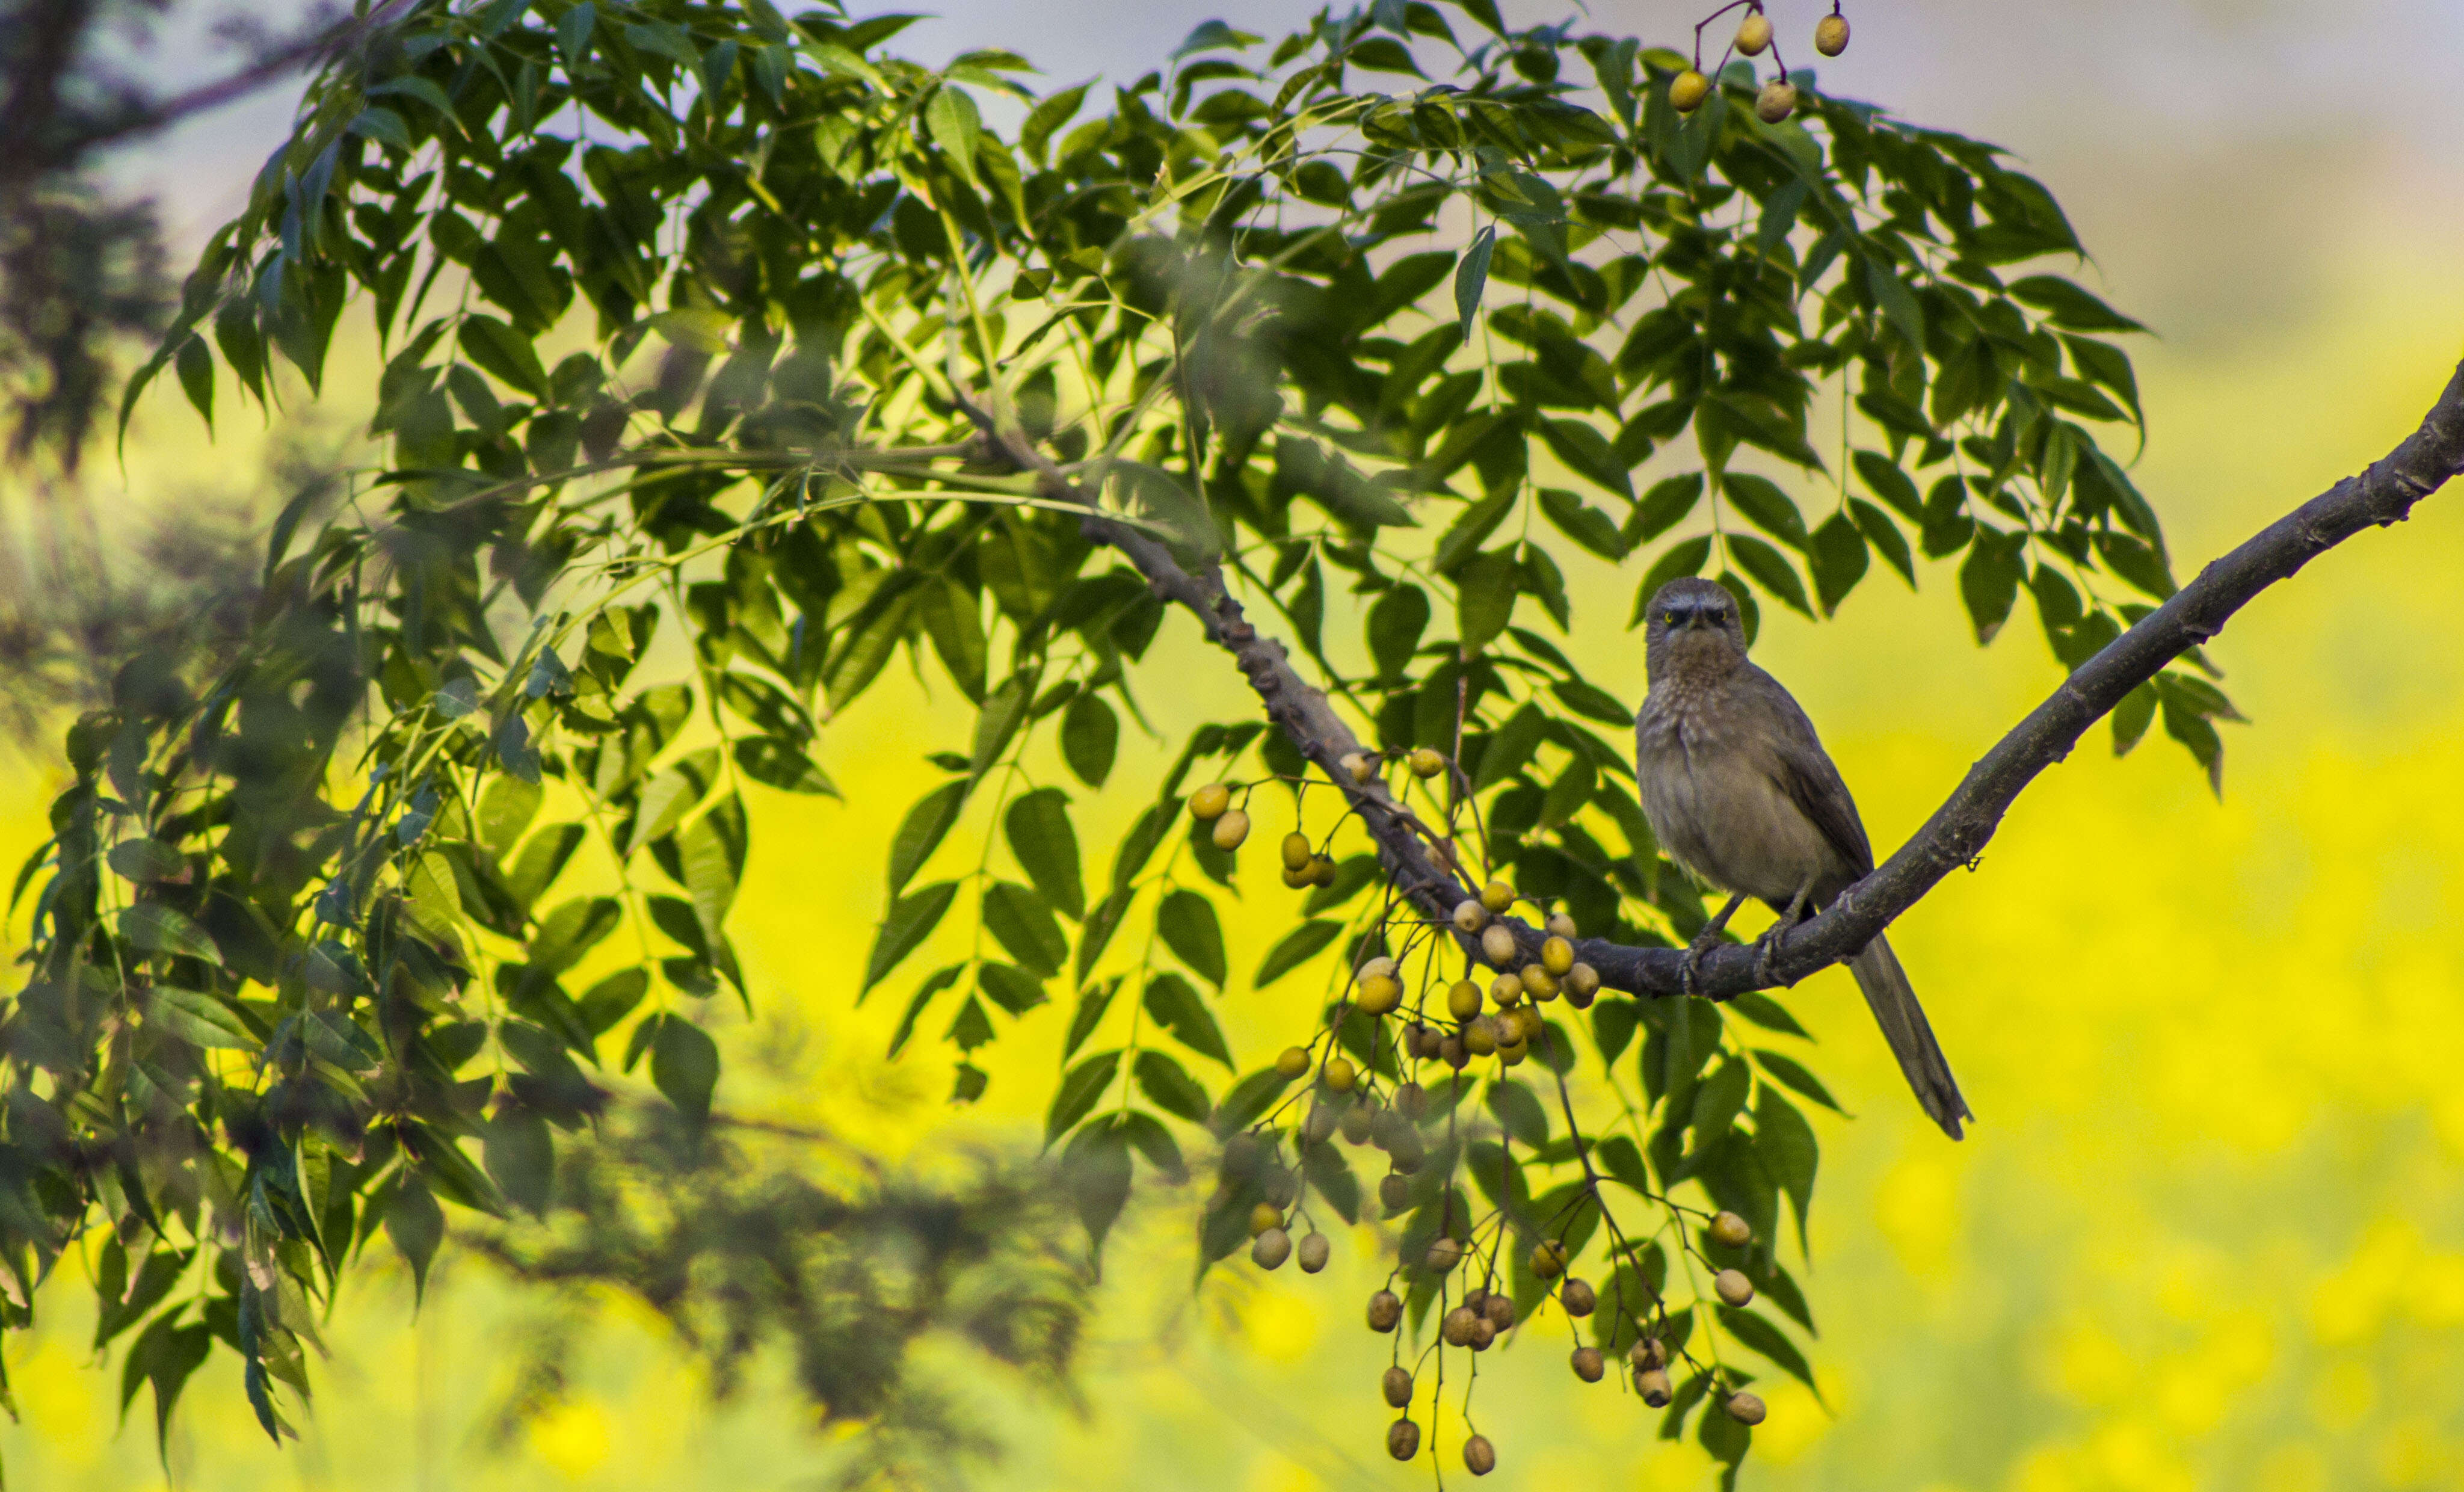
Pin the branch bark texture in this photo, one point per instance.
(2383, 494)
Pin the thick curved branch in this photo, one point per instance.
(2383, 494)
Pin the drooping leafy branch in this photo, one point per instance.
(711, 324)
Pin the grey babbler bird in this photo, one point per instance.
(1741, 793)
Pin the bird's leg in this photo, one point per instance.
(1706, 941)
(1767, 945)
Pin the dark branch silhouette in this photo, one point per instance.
(1421, 862)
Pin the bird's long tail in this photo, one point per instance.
(1904, 1025)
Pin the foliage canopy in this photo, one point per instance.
(685, 308)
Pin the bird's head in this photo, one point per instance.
(1694, 626)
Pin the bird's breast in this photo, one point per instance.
(1718, 811)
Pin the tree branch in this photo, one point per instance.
(2383, 494)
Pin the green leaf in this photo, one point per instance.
(497, 348)
(199, 1018)
(1485, 597)
(1471, 277)
(1395, 624)
(1885, 535)
(1019, 918)
(1170, 1087)
(1004, 711)
(1096, 1169)
(416, 1225)
(1189, 926)
(672, 794)
(146, 861)
(1047, 847)
(1078, 1092)
(1989, 579)
(1837, 558)
(2069, 307)
(1768, 1014)
(1770, 571)
(505, 810)
(1587, 454)
(1101, 924)
(195, 365)
(684, 1065)
(1765, 507)
(777, 762)
(1785, 1145)
(1092, 1002)
(156, 929)
(1090, 734)
(1295, 949)
(1519, 1111)
(1048, 115)
(1172, 1002)
(923, 829)
(2132, 716)
(1790, 1073)
(951, 118)
(1718, 1102)
(910, 920)
(1899, 303)
(1761, 1336)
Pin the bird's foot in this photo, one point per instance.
(1765, 950)
(1690, 970)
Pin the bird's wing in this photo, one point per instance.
(1805, 772)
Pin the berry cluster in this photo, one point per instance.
(1403, 1017)
(1777, 99)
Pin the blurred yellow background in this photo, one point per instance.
(2210, 1230)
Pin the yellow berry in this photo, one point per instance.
(1732, 1230)
(1463, 999)
(1470, 917)
(1746, 1409)
(1511, 1053)
(1538, 984)
(1754, 34)
(1557, 955)
(1506, 990)
(1830, 36)
(1403, 1439)
(1322, 871)
(1231, 829)
(1208, 802)
(1498, 898)
(1396, 1386)
(1273, 1247)
(1652, 1383)
(1360, 768)
(1733, 1288)
(1688, 91)
(1264, 1216)
(1426, 762)
(1480, 1038)
(1385, 1310)
(1648, 1352)
(1561, 925)
(1775, 102)
(1443, 1253)
(1589, 1365)
(1315, 1250)
(1297, 853)
(1548, 1259)
(1499, 1310)
(1582, 982)
(1478, 1456)
(1340, 1075)
(1459, 1325)
(1484, 1332)
(1497, 946)
(1292, 1061)
(1299, 880)
(1378, 996)
(1579, 1298)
